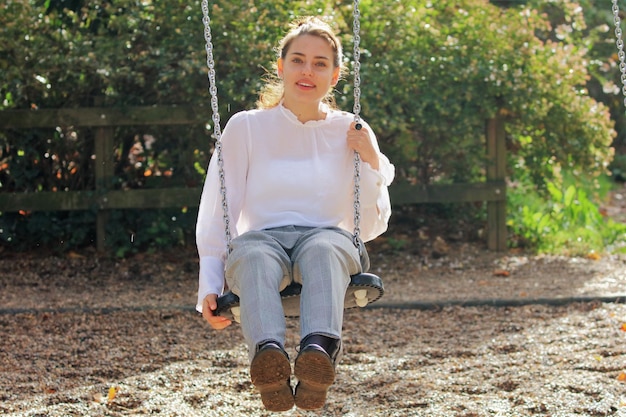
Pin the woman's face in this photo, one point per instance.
(307, 69)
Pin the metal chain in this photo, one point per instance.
(620, 47)
(217, 132)
(357, 119)
(357, 61)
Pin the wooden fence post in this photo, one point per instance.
(496, 172)
(104, 171)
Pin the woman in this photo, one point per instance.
(289, 176)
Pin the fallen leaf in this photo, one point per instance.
(440, 247)
(501, 273)
(75, 255)
(622, 377)
(112, 394)
(594, 256)
(623, 328)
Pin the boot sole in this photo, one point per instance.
(316, 373)
(270, 372)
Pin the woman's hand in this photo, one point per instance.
(209, 305)
(359, 140)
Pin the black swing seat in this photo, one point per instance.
(364, 288)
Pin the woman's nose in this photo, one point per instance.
(306, 69)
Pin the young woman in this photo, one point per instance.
(289, 168)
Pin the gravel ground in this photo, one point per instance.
(90, 336)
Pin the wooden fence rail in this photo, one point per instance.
(493, 191)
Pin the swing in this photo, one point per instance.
(364, 288)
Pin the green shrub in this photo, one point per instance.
(41, 230)
(435, 71)
(133, 231)
(568, 223)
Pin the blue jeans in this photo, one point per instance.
(262, 263)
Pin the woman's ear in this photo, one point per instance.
(335, 76)
(279, 68)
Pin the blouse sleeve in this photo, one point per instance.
(210, 229)
(374, 195)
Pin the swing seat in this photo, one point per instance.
(364, 288)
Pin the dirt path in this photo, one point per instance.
(77, 329)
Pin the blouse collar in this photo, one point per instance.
(291, 116)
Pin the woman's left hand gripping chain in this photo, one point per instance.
(359, 141)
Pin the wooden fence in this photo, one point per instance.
(493, 191)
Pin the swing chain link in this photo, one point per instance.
(217, 132)
(357, 119)
(620, 47)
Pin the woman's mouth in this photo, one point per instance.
(305, 84)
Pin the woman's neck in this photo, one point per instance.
(305, 112)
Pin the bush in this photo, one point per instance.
(435, 71)
(569, 223)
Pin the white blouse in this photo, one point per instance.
(279, 172)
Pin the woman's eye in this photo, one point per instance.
(321, 64)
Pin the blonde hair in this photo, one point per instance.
(273, 92)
